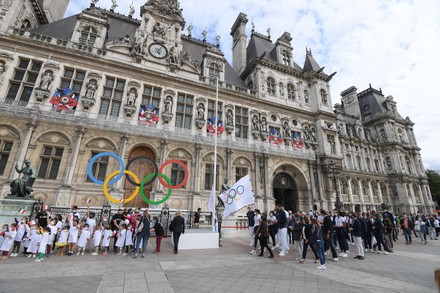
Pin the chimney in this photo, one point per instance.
(238, 33)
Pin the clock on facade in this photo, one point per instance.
(158, 51)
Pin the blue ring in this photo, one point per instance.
(90, 165)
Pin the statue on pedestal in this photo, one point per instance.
(22, 187)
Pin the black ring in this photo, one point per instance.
(153, 163)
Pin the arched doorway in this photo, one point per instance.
(141, 168)
(285, 192)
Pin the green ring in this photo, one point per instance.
(146, 199)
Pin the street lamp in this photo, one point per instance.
(333, 173)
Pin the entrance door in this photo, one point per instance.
(141, 168)
(285, 192)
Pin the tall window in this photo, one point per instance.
(359, 165)
(240, 172)
(88, 36)
(177, 174)
(50, 162)
(209, 177)
(332, 143)
(151, 96)
(367, 160)
(73, 79)
(348, 158)
(112, 97)
(214, 72)
(323, 96)
(23, 81)
(291, 91)
(354, 187)
(99, 167)
(211, 110)
(5, 151)
(184, 110)
(376, 165)
(271, 86)
(241, 122)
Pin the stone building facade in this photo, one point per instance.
(146, 88)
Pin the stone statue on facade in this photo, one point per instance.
(229, 118)
(91, 89)
(201, 112)
(114, 5)
(46, 80)
(22, 187)
(255, 123)
(286, 130)
(131, 100)
(168, 105)
(263, 124)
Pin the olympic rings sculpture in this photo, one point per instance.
(157, 173)
(232, 194)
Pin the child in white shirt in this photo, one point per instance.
(62, 241)
(106, 239)
(129, 238)
(83, 239)
(45, 237)
(21, 231)
(122, 234)
(35, 237)
(97, 235)
(73, 236)
(8, 241)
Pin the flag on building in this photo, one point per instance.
(121, 200)
(22, 211)
(211, 205)
(297, 141)
(148, 115)
(64, 101)
(241, 194)
(211, 126)
(44, 207)
(275, 138)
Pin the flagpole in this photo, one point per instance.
(215, 147)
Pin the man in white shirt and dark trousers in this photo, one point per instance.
(250, 215)
(257, 219)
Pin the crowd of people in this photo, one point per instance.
(128, 231)
(327, 232)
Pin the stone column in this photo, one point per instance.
(312, 190)
(74, 158)
(370, 193)
(229, 163)
(380, 195)
(24, 147)
(257, 174)
(266, 180)
(197, 175)
(162, 151)
(122, 148)
(360, 193)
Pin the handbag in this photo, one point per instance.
(171, 228)
(141, 226)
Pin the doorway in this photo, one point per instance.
(285, 192)
(141, 168)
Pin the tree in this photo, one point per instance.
(434, 185)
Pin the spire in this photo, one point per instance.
(310, 63)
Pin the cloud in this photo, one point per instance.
(391, 44)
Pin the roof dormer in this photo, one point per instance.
(283, 49)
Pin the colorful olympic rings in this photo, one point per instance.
(131, 197)
(184, 179)
(90, 166)
(153, 163)
(146, 199)
(146, 181)
(232, 194)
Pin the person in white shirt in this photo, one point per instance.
(43, 244)
(8, 240)
(83, 239)
(21, 231)
(257, 219)
(340, 226)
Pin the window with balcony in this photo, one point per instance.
(211, 110)
(73, 79)
(88, 36)
(241, 122)
(151, 96)
(112, 97)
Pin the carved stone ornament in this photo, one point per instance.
(129, 109)
(166, 7)
(167, 117)
(41, 94)
(255, 133)
(229, 128)
(88, 102)
(200, 123)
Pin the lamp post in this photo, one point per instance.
(333, 173)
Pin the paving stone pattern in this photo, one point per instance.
(228, 269)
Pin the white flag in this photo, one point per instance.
(241, 194)
(211, 206)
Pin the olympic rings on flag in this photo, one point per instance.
(164, 180)
(232, 194)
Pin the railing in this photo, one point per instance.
(130, 125)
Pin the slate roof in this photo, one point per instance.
(310, 63)
(120, 26)
(375, 101)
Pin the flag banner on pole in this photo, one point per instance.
(275, 138)
(22, 211)
(241, 194)
(64, 101)
(297, 140)
(212, 128)
(211, 205)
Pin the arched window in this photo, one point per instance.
(88, 36)
(291, 91)
(323, 96)
(214, 71)
(271, 86)
(354, 189)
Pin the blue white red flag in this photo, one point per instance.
(148, 115)
(211, 126)
(64, 101)
(297, 141)
(275, 138)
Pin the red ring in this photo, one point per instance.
(185, 168)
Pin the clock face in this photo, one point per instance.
(158, 51)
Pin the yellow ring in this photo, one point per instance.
(105, 187)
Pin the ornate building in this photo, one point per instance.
(142, 87)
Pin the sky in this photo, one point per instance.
(393, 45)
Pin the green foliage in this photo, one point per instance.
(434, 185)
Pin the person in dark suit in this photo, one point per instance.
(177, 226)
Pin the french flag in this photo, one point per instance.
(88, 200)
(22, 211)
